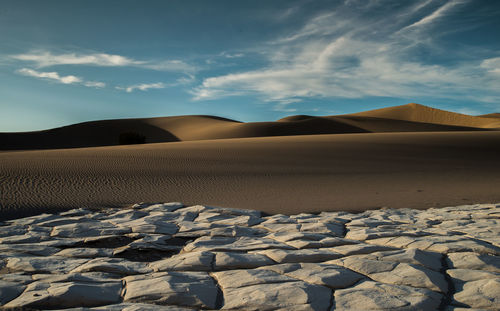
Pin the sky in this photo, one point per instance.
(64, 62)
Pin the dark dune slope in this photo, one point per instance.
(107, 132)
(87, 134)
(167, 129)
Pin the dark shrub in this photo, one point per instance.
(130, 138)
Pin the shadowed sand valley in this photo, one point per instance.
(405, 156)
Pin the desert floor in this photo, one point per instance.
(166, 257)
(292, 174)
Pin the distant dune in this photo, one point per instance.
(491, 115)
(419, 113)
(405, 156)
(406, 118)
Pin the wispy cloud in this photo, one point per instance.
(46, 59)
(336, 55)
(188, 79)
(231, 55)
(49, 75)
(282, 107)
(169, 65)
(182, 81)
(43, 59)
(435, 15)
(56, 77)
(142, 87)
(95, 84)
(319, 25)
(492, 65)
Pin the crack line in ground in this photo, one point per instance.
(219, 300)
(447, 297)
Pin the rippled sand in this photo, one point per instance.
(288, 175)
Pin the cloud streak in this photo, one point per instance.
(142, 87)
(43, 59)
(231, 55)
(49, 75)
(492, 65)
(56, 77)
(441, 11)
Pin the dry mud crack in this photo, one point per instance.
(174, 257)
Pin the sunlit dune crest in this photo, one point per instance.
(420, 113)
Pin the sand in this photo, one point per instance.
(420, 113)
(290, 175)
(408, 156)
(405, 118)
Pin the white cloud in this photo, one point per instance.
(202, 93)
(54, 76)
(182, 81)
(45, 59)
(326, 72)
(95, 84)
(492, 65)
(49, 75)
(188, 79)
(440, 12)
(282, 107)
(288, 12)
(231, 55)
(332, 56)
(319, 25)
(169, 65)
(142, 87)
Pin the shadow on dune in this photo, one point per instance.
(298, 126)
(87, 134)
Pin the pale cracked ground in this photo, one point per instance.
(170, 257)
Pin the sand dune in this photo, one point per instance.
(107, 132)
(381, 125)
(274, 174)
(193, 128)
(429, 158)
(490, 115)
(419, 113)
(407, 118)
(168, 129)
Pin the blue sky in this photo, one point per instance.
(64, 62)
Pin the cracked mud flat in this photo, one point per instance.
(175, 257)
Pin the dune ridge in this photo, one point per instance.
(406, 118)
(420, 113)
(490, 115)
